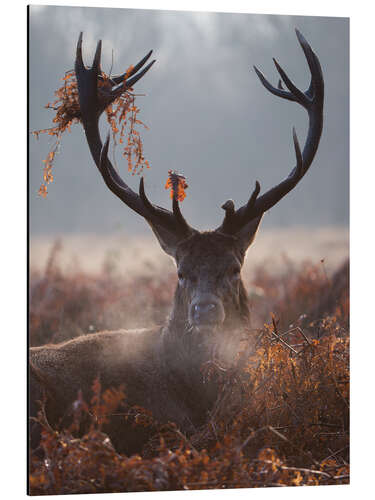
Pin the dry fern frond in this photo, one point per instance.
(122, 116)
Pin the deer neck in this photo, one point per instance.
(186, 349)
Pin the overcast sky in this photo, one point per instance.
(209, 116)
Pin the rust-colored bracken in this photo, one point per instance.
(122, 115)
(282, 418)
(177, 184)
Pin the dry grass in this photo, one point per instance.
(282, 417)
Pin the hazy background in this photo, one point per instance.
(209, 117)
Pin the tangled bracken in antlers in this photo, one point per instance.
(282, 416)
(177, 184)
(122, 115)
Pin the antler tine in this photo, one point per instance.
(131, 81)
(106, 167)
(253, 197)
(79, 65)
(79, 61)
(114, 181)
(232, 223)
(120, 78)
(127, 84)
(299, 96)
(312, 100)
(181, 225)
(228, 221)
(299, 167)
(144, 198)
(279, 92)
(314, 65)
(95, 68)
(296, 95)
(121, 190)
(91, 107)
(177, 213)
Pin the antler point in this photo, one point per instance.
(228, 206)
(141, 185)
(276, 63)
(96, 61)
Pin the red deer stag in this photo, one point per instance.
(161, 367)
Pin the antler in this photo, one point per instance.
(312, 101)
(93, 100)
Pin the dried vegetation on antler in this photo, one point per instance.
(122, 115)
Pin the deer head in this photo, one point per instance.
(209, 292)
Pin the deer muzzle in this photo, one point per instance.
(206, 310)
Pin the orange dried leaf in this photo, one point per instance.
(177, 184)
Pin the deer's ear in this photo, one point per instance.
(167, 239)
(247, 233)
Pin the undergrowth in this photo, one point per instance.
(282, 416)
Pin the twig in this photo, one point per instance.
(300, 469)
(281, 436)
(250, 437)
(278, 337)
(283, 342)
(300, 331)
(43, 424)
(336, 453)
(187, 441)
(322, 424)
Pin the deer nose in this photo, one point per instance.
(205, 312)
(204, 308)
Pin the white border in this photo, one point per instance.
(13, 249)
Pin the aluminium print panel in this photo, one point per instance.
(189, 259)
